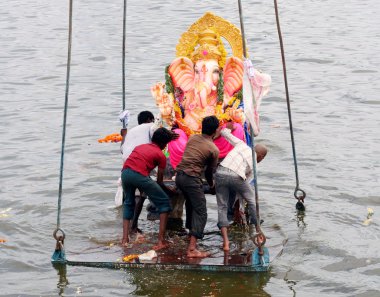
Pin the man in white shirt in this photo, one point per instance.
(234, 174)
(140, 134)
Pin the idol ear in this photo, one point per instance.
(181, 70)
(233, 75)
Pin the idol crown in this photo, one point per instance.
(210, 47)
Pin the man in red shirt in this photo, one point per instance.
(135, 174)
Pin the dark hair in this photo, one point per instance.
(162, 137)
(145, 117)
(209, 125)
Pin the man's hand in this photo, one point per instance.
(230, 125)
(217, 133)
(175, 136)
(212, 190)
(169, 190)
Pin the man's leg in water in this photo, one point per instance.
(192, 189)
(140, 199)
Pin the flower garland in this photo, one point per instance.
(220, 88)
(168, 81)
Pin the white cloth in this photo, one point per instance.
(138, 135)
(124, 117)
(255, 86)
(119, 194)
(239, 159)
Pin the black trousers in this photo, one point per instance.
(195, 203)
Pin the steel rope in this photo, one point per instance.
(251, 130)
(301, 197)
(123, 54)
(59, 253)
(65, 112)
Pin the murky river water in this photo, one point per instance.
(333, 71)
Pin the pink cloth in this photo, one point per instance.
(177, 147)
(223, 145)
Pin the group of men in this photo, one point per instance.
(142, 152)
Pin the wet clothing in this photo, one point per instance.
(195, 203)
(200, 152)
(135, 175)
(226, 181)
(239, 159)
(133, 180)
(138, 135)
(233, 176)
(144, 158)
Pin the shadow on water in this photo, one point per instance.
(191, 283)
(177, 283)
(300, 215)
(62, 277)
(300, 219)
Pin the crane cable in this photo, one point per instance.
(59, 253)
(259, 238)
(299, 194)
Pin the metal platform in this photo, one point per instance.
(241, 258)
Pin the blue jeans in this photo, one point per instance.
(132, 180)
(226, 181)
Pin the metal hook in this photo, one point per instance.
(61, 237)
(299, 197)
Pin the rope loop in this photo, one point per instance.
(60, 237)
(259, 240)
(299, 194)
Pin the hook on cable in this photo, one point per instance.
(59, 253)
(300, 195)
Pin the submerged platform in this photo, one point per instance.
(238, 259)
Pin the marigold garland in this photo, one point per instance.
(114, 137)
(129, 258)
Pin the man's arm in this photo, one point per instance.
(160, 176)
(123, 133)
(250, 176)
(208, 175)
(152, 129)
(227, 134)
(210, 169)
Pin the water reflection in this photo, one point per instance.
(178, 283)
(62, 277)
(300, 219)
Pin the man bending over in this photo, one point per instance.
(135, 174)
(200, 152)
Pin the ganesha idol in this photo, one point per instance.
(202, 81)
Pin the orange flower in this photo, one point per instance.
(129, 258)
(114, 137)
